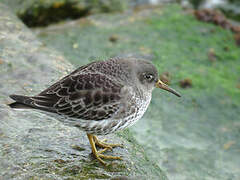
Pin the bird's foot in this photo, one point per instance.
(103, 144)
(98, 154)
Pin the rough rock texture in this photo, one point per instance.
(34, 146)
(44, 12)
(193, 137)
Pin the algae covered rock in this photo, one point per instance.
(193, 137)
(41, 13)
(35, 146)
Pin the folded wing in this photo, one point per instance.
(89, 96)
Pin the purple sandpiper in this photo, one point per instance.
(99, 98)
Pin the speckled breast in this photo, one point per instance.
(108, 126)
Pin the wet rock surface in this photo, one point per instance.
(42, 13)
(197, 136)
(35, 146)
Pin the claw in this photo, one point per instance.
(98, 154)
(109, 157)
(102, 151)
(102, 144)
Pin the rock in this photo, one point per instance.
(35, 146)
(185, 83)
(237, 38)
(219, 19)
(165, 77)
(42, 13)
(185, 136)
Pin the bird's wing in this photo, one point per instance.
(89, 96)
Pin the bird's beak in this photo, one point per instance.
(161, 85)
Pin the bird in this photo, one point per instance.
(99, 98)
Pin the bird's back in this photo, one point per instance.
(92, 92)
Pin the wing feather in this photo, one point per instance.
(89, 96)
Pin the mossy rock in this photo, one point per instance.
(35, 146)
(44, 12)
(197, 136)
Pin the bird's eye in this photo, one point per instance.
(148, 77)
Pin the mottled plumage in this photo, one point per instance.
(100, 97)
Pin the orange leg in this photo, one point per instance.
(98, 154)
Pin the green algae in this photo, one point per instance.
(195, 137)
(34, 145)
(44, 12)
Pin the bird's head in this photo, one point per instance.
(148, 77)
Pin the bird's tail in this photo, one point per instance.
(22, 102)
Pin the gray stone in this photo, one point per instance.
(33, 145)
